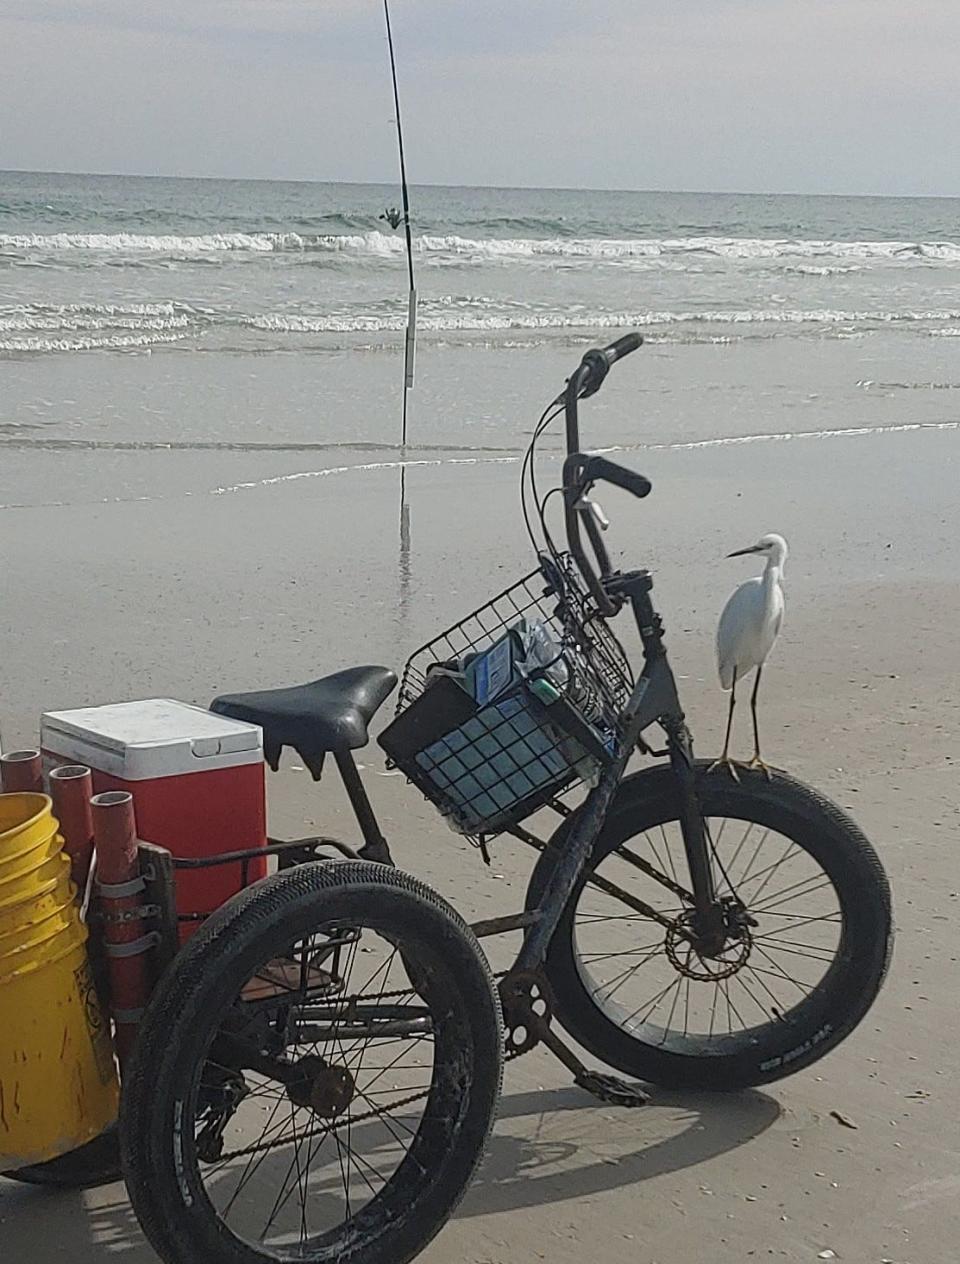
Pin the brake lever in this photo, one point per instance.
(586, 505)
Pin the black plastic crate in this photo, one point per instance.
(488, 765)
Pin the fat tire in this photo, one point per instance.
(172, 1207)
(832, 1010)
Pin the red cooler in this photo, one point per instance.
(197, 781)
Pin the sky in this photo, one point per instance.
(810, 96)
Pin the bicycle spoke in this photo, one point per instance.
(756, 853)
(791, 850)
(798, 891)
(773, 996)
(822, 956)
(780, 975)
(594, 957)
(686, 1009)
(254, 1160)
(673, 1008)
(835, 918)
(609, 990)
(650, 1005)
(713, 1010)
(746, 834)
(275, 1176)
(787, 911)
(781, 972)
(743, 983)
(281, 1197)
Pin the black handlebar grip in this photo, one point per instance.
(596, 364)
(597, 468)
(622, 347)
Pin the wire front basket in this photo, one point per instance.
(489, 733)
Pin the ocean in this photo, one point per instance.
(200, 413)
(176, 310)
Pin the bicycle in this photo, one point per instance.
(318, 1070)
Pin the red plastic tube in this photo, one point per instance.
(71, 786)
(126, 941)
(21, 772)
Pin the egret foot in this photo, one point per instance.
(757, 762)
(725, 762)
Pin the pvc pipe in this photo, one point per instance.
(71, 786)
(126, 940)
(21, 772)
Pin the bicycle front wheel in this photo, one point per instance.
(807, 948)
(316, 1075)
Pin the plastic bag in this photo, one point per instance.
(543, 653)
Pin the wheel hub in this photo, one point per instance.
(693, 959)
(326, 1090)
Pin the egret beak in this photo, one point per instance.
(754, 548)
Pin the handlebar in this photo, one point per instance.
(588, 379)
(581, 470)
(601, 361)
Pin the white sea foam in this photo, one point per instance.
(376, 244)
(821, 270)
(24, 322)
(69, 328)
(31, 345)
(139, 243)
(532, 320)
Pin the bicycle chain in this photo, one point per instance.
(322, 1130)
(508, 1054)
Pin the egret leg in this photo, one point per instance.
(725, 761)
(757, 762)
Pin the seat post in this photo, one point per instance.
(374, 844)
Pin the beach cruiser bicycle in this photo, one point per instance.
(317, 1073)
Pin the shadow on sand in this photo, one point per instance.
(519, 1172)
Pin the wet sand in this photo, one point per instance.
(190, 594)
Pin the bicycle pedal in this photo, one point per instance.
(611, 1089)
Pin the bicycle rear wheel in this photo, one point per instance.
(316, 1077)
(807, 948)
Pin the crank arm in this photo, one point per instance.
(561, 1051)
(607, 1088)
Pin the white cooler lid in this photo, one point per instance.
(155, 737)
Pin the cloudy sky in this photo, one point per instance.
(850, 96)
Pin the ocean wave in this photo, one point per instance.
(474, 321)
(821, 270)
(375, 244)
(163, 243)
(26, 328)
(29, 345)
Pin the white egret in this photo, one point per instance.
(746, 634)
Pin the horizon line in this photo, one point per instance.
(506, 188)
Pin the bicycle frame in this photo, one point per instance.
(654, 698)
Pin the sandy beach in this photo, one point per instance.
(188, 573)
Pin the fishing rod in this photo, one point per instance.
(411, 338)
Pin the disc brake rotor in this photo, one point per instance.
(680, 947)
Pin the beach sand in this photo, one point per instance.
(187, 593)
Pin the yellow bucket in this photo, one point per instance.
(58, 1079)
